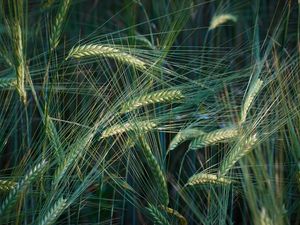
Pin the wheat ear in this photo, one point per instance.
(58, 24)
(221, 19)
(8, 82)
(6, 185)
(205, 178)
(214, 137)
(157, 172)
(106, 51)
(151, 98)
(19, 62)
(140, 126)
(157, 216)
(252, 93)
(237, 153)
(21, 186)
(182, 220)
(184, 135)
(54, 212)
(264, 218)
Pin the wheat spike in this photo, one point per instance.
(6, 185)
(106, 51)
(181, 218)
(21, 186)
(8, 82)
(58, 24)
(205, 178)
(253, 91)
(214, 137)
(151, 98)
(221, 19)
(54, 212)
(19, 62)
(264, 218)
(157, 171)
(140, 126)
(184, 135)
(237, 153)
(157, 216)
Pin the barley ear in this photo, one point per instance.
(157, 215)
(6, 185)
(53, 214)
(208, 179)
(221, 19)
(182, 220)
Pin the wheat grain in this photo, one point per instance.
(253, 91)
(151, 98)
(221, 19)
(21, 186)
(237, 153)
(214, 137)
(106, 51)
(205, 178)
(54, 212)
(6, 185)
(140, 126)
(181, 218)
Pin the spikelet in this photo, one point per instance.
(140, 126)
(264, 218)
(54, 212)
(237, 153)
(58, 24)
(253, 91)
(19, 62)
(106, 51)
(214, 137)
(6, 185)
(8, 82)
(182, 220)
(21, 186)
(151, 98)
(184, 135)
(157, 216)
(205, 178)
(157, 172)
(221, 19)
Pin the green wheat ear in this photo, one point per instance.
(53, 214)
(221, 19)
(6, 185)
(151, 98)
(157, 215)
(182, 220)
(205, 178)
(92, 50)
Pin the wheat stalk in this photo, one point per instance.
(237, 153)
(140, 126)
(151, 98)
(184, 135)
(21, 186)
(181, 218)
(8, 82)
(6, 185)
(205, 178)
(157, 171)
(214, 137)
(252, 93)
(221, 19)
(157, 215)
(105, 51)
(58, 24)
(54, 212)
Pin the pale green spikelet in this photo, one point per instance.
(182, 220)
(54, 212)
(21, 186)
(6, 185)
(252, 93)
(8, 82)
(90, 50)
(157, 216)
(184, 135)
(151, 98)
(221, 19)
(140, 126)
(223, 134)
(205, 178)
(58, 24)
(157, 172)
(237, 153)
